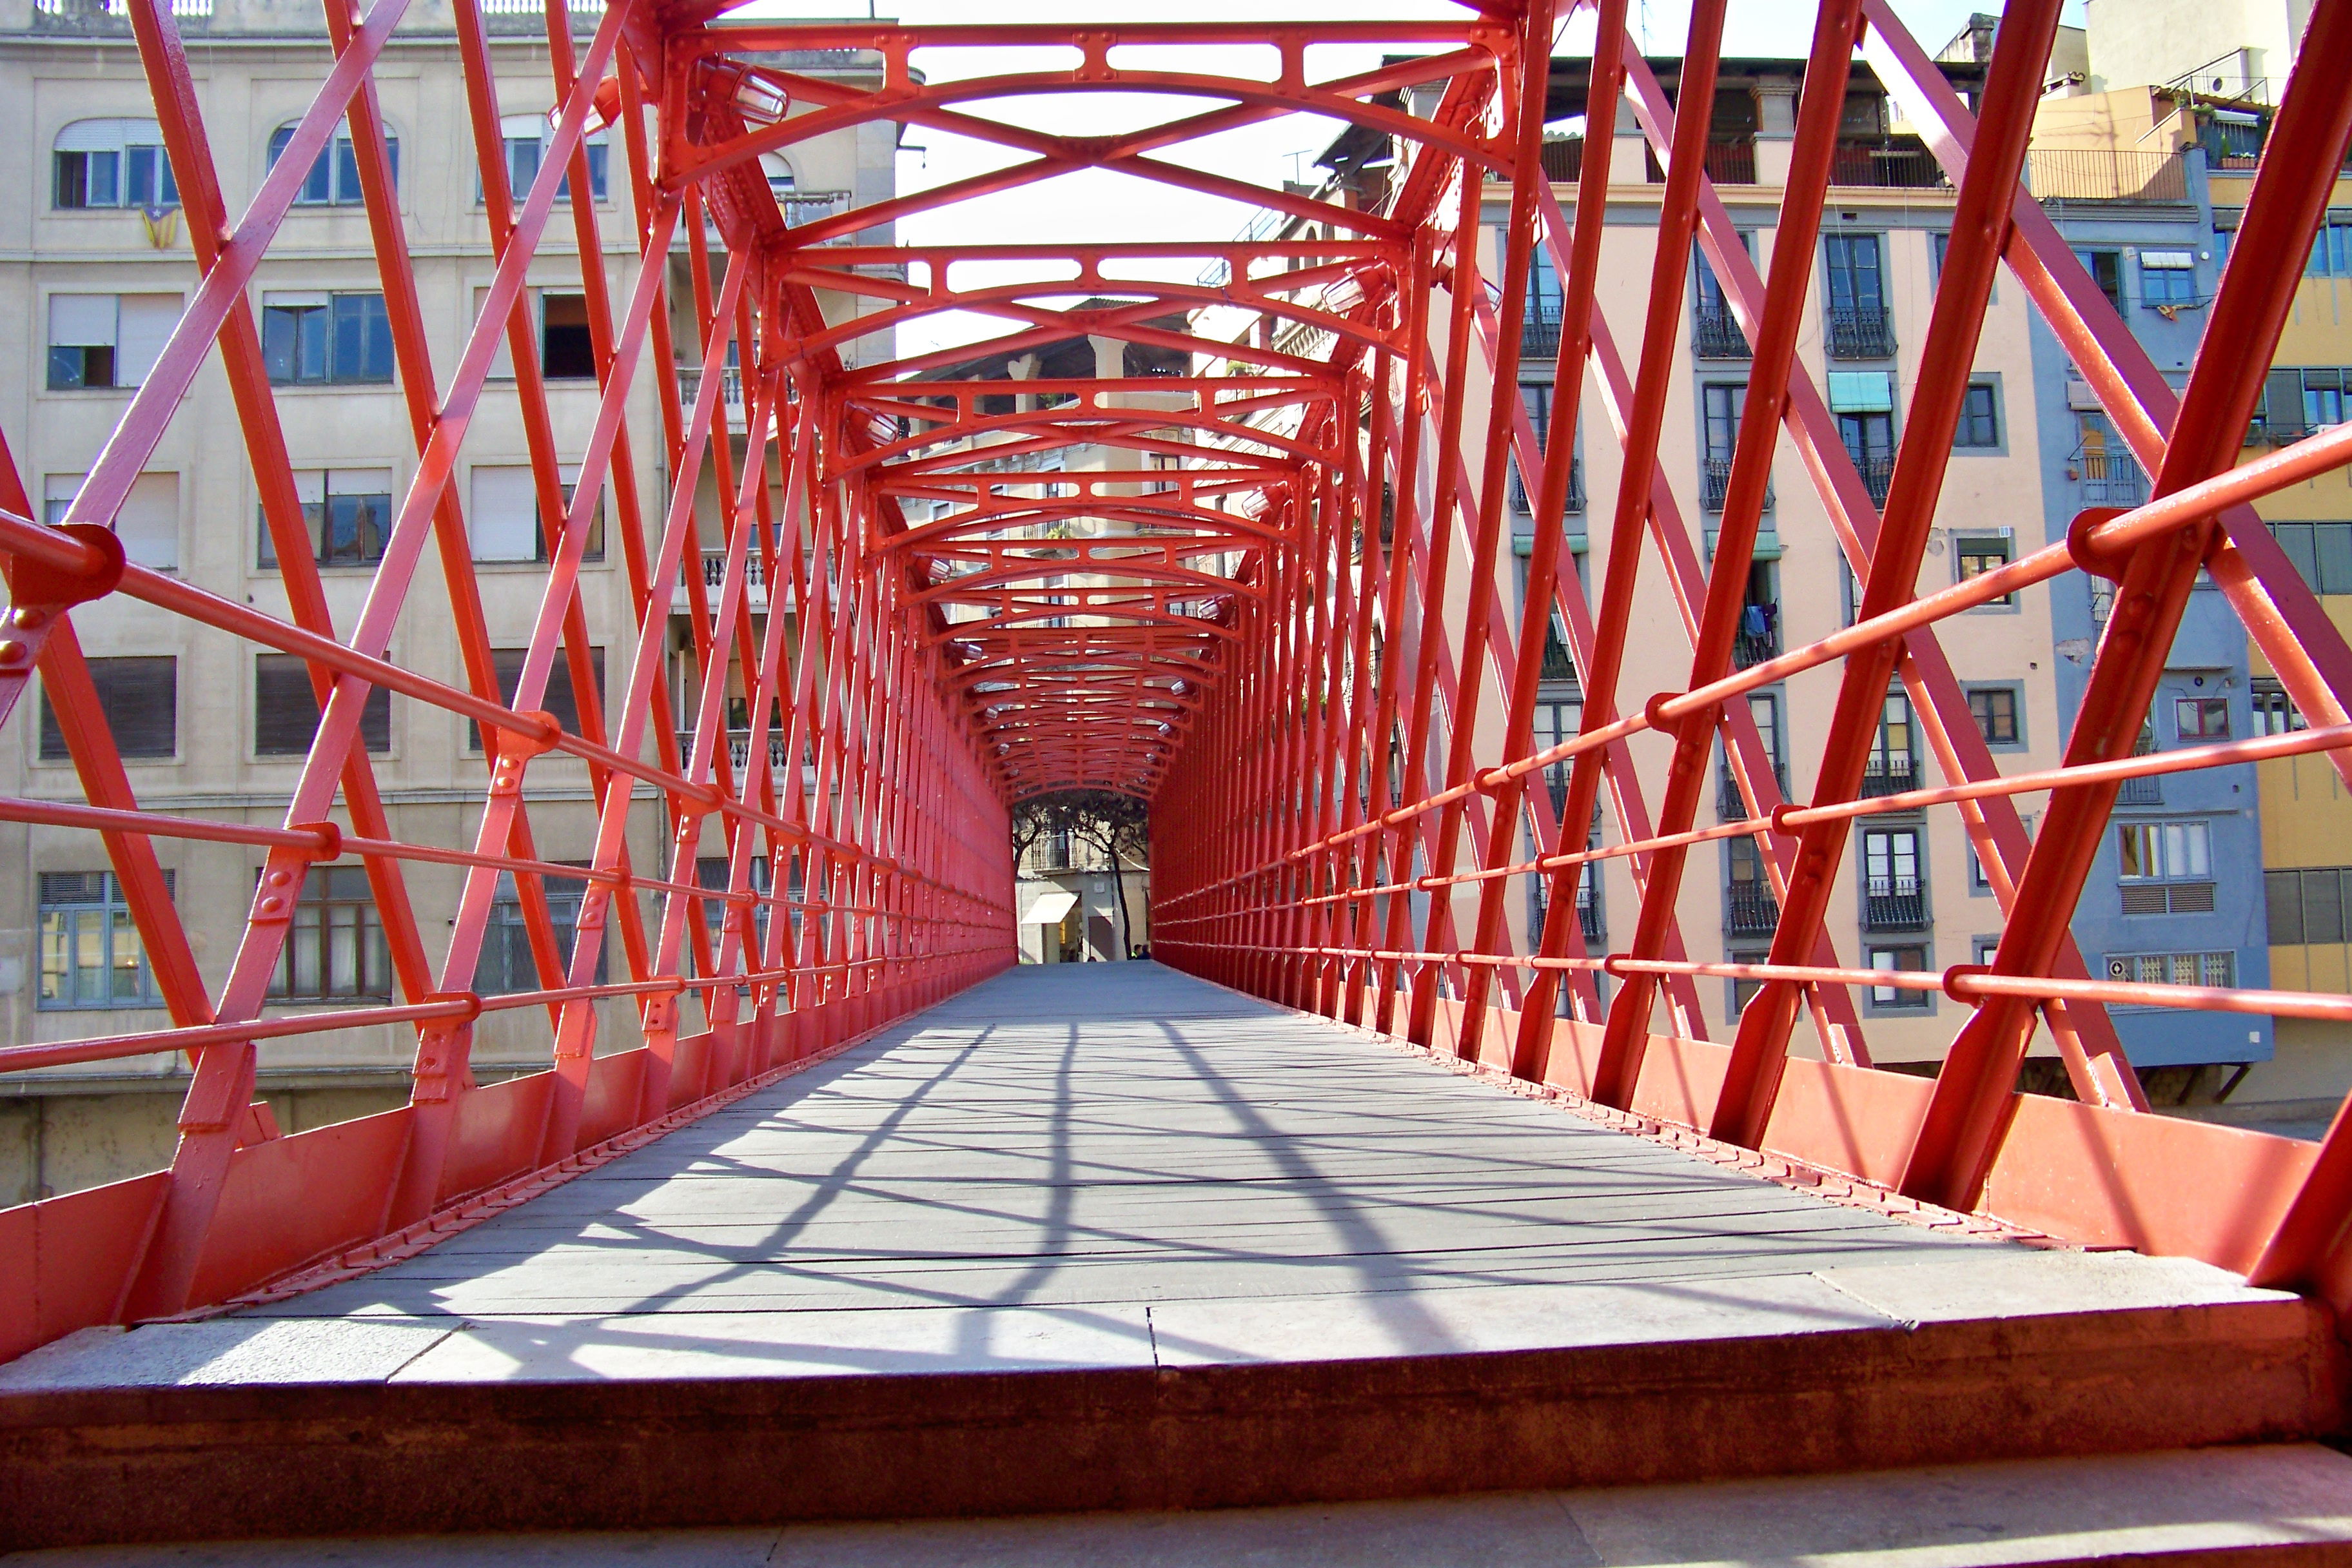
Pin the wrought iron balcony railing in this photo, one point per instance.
(1750, 910)
(1895, 903)
(1716, 334)
(1889, 773)
(1728, 804)
(1857, 332)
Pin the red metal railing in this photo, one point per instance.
(1283, 595)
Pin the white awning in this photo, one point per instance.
(1049, 909)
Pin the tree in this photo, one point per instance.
(1117, 825)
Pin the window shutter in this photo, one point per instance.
(505, 523)
(141, 699)
(149, 522)
(81, 320)
(286, 711)
(147, 322)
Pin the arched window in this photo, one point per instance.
(334, 178)
(113, 163)
(525, 138)
(779, 174)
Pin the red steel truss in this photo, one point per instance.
(1277, 605)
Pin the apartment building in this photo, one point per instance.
(2199, 84)
(1911, 896)
(2161, 903)
(97, 270)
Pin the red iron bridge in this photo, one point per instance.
(1364, 1208)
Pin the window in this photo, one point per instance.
(286, 711)
(506, 524)
(1893, 766)
(1994, 708)
(334, 180)
(312, 339)
(2166, 868)
(107, 340)
(2168, 278)
(1750, 906)
(1980, 427)
(346, 511)
(1715, 332)
(2218, 969)
(2307, 905)
(2274, 711)
(1975, 557)
(148, 524)
(566, 350)
(2331, 248)
(2107, 270)
(2322, 552)
(558, 700)
(525, 138)
(1859, 327)
(1978, 880)
(90, 952)
(1539, 330)
(1892, 896)
(505, 965)
(1744, 991)
(2201, 717)
(336, 950)
(140, 700)
(2322, 403)
(111, 164)
(1863, 403)
(2297, 400)
(1557, 722)
(1720, 404)
(1900, 960)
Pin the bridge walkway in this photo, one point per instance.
(1107, 1236)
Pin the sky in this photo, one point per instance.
(1095, 203)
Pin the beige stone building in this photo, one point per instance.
(93, 270)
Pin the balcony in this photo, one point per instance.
(1885, 167)
(739, 750)
(1861, 332)
(1714, 483)
(1522, 503)
(1895, 903)
(1714, 334)
(1731, 161)
(1889, 773)
(2110, 479)
(1588, 912)
(1878, 474)
(1728, 804)
(1539, 332)
(730, 390)
(2147, 790)
(1752, 647)
(111, 17)
(1557, 663)
(808, 206)
(1750, 910)
(2098, 175)
(714, 578)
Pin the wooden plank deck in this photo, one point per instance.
(1105, 1235)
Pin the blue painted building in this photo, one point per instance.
(2176, 894)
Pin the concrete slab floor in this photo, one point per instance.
(2286, 1503)
(1116, 1166)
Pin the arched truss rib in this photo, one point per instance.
(1279, 601)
